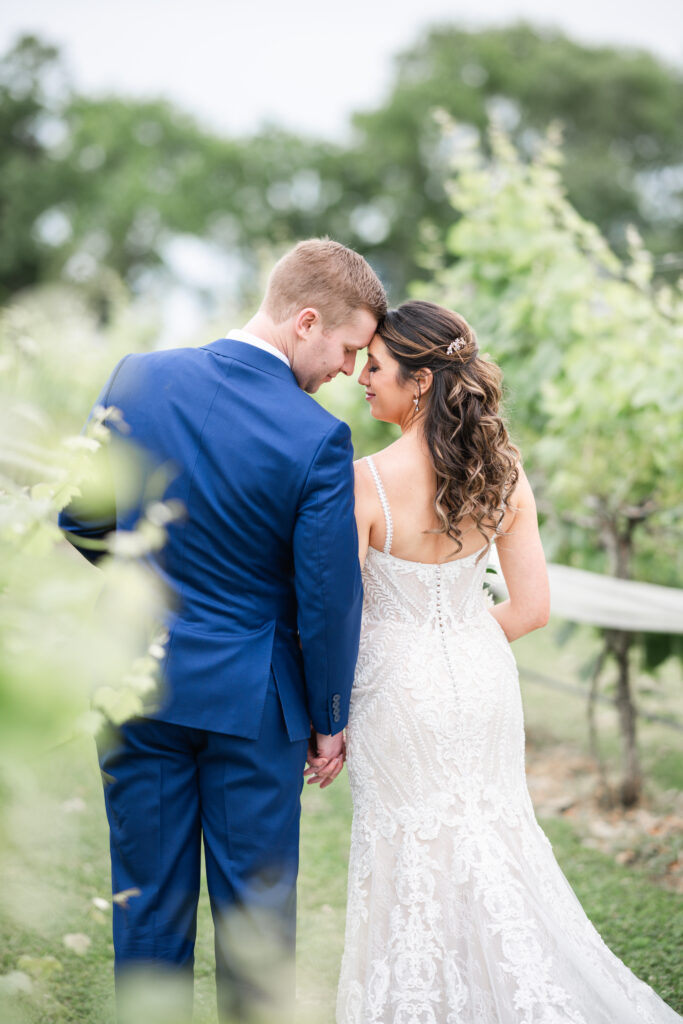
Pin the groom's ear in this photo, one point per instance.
(305, 320)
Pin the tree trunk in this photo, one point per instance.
(619, 544)
(631, 783)
(604, 794)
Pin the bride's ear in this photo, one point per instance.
(425, 378)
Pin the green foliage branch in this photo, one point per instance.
(591, 348)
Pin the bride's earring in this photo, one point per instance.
(416, 403)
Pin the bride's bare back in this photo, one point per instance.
(409, 482)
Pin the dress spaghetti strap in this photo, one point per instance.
(384, 503)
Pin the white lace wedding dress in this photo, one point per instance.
(458, 912)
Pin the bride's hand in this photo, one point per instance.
(323, 771)
(326, 756)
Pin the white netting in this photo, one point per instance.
(582, 596)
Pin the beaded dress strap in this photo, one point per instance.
(384, 503)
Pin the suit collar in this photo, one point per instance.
(237, 334)
(231, 348)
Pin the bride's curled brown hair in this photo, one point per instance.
(474, 459)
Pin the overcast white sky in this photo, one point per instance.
(306, 64)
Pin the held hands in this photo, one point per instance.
(326, 756)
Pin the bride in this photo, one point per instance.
(458, 912)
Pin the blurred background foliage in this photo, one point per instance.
(92, 183)
(532, 183)
(65, 630)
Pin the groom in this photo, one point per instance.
(264, 573)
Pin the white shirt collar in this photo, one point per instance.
(251, 339)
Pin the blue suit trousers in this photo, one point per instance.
(166, 786)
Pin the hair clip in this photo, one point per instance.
(455, 346)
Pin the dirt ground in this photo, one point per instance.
(564, 783)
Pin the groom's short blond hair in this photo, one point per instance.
(326, 276)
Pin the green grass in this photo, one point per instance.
(61, 863)
(640, 922)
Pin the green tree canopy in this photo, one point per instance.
(33, 91)
(90, 183)
(621, 113)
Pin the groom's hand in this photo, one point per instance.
(326, 756)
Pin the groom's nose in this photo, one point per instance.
(349, 364)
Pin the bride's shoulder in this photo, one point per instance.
(521, 489)
(362, 473)
(383, 458)
(520, 500)
(362, 467)
(366, 483)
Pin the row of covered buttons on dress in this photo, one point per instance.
(440, 621)
(336, 714)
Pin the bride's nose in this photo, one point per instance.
(364, 376)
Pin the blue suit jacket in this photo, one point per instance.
(267, 552)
